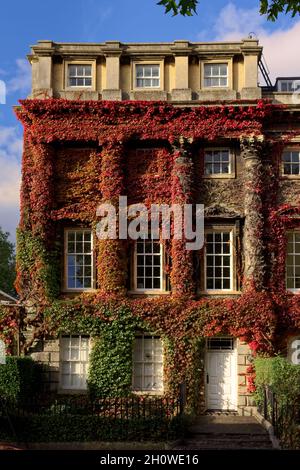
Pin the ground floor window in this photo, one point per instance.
(147, 363)
(74, 356)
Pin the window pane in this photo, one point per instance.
(215, 70)
(140, 271)
(88, 70)
(79, 283)
(71, 271)
(223, 69)
(87, 282)
(71, 283)
(72, 70)
(139, 70)
(148, 271)
(147, 71)
(286, 157)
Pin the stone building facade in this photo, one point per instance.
(166, 123)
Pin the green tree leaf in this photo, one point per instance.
(7, 264)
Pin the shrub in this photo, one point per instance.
(283, 379)
(19, 379)
(280, 375)
(68, 427)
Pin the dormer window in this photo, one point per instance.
(216, 75)
(147, 75)
(80, 75)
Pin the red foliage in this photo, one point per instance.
(110, 128)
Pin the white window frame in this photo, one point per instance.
(291, 289)
(219, 77)
(142, 363)
(231, 166)
(91, 87)
(66, 254)
(290, 150)
(147, 78)
(231, 266)
(81, 362)
(160, 63)
(135, 276)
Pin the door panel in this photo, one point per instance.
(221, 386)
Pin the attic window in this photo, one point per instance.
(216, 75)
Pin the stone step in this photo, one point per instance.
(230, 437)
(208, 445)
(226, 432)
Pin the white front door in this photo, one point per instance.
(221, 380)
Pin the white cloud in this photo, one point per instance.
(21, 81)
(281, 46)
(10, 154)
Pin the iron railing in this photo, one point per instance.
(281, 414)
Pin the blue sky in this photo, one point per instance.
(24, 23)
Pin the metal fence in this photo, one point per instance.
(79, 418)
(124, 408)
(282, 415)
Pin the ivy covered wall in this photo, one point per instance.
(106, 167)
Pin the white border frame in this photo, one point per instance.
(91, 62)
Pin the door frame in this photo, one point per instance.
(235, 375)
